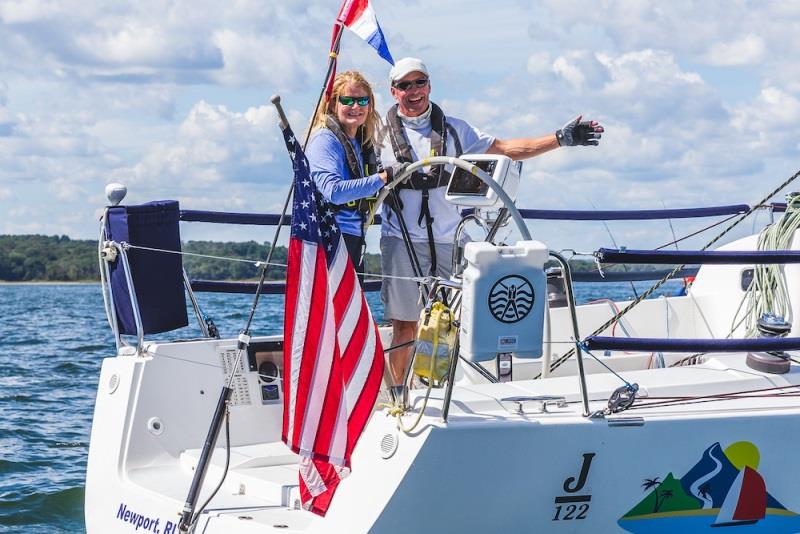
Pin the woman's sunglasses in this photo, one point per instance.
(350, 100)
(405, 86)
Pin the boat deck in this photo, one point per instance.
(261, 487)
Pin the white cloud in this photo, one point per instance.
(243, 42)
(569, 71)
(748, 50)
(768, 123)
(22, 11)
(213, 146)
(539, 63)
(699, 99)
(262, 59)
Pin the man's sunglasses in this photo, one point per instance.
(350, 100)
(405, 86)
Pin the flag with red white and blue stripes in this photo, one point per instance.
(359, 16)
(333, 358)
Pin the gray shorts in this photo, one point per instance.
(401, 298)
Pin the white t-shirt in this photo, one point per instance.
(446, 216)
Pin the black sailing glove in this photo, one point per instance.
(394, 170)
(577, 132)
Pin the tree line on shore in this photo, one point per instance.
(39, 258)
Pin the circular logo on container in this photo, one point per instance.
(511, 298)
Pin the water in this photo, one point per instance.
(52, 341)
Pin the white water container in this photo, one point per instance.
(504, 298)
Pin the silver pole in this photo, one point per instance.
(195, 306)
(105, 283)
(575, 333)
(132, 293)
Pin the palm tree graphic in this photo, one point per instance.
(665, 494)
(650, 483)
(661, 497)
(704, 490)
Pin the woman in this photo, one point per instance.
(341, 154)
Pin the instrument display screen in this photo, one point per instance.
(465, 183)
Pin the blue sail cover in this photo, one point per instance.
(157, 276)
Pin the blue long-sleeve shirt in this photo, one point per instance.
(328, 162)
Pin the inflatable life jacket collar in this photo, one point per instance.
(368, 157)
(402, 149)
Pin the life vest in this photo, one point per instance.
(402, 149)
(420, 181)
(368, 156)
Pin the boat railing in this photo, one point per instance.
(271, 219)
(699, 345)
(277, 288)
(268, 219)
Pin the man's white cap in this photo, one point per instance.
(405, 66)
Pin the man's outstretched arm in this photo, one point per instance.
(573, 133)
(524, 147)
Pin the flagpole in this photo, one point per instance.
(188, 514)
(276, 100)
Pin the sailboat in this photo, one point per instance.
(746, 502)
(545, 434)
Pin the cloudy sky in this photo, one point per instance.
(699, 100)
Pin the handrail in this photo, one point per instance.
(632, 215)
(629, 276)
(759, 344)
(271, 219)
(226, 217)
(229, 217)
(715, 257)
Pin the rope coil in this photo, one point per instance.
(769, 292)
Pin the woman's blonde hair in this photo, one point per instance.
(371, 127)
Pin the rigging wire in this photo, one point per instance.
(656, 402)
(672, 273)
(259, 263)
(700, 231)
(614, 242)
(256, 263)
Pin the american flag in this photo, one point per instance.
(333, 358)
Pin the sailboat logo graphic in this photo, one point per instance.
(723, 489)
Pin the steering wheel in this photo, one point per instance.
(470, 168)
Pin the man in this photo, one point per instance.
(417, 128)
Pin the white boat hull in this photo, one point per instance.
(488, 469)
